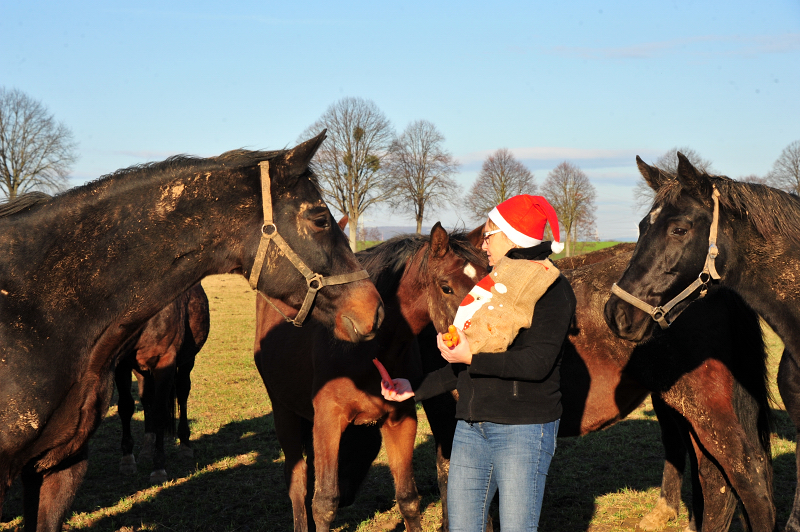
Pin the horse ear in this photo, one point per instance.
(475, 237)
(295, 161)
(651, 174)
(440, 241)
(695, 183)
(343, 222)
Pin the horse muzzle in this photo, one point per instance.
(627, 321)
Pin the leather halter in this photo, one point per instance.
(709, 272)
(269, 233)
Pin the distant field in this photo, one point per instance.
(579, 247)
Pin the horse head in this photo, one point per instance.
(316, 254)
(452, 267)
(672, 249)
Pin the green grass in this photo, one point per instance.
(579, 248)
(602, 482)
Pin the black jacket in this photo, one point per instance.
(523, 384)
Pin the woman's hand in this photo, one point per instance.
(458, 353)
(400, 390)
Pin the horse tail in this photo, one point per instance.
(749, 365)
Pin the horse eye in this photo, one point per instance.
(321, 222)
(679, 231)
(446, 289)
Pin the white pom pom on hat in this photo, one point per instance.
(523, 217)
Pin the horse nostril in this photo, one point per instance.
(379, 315)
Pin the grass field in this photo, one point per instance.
(602, 482)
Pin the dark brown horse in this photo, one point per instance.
(757, 240)
(312, 380)
(82, 272)
(162, 356)
(706, 377)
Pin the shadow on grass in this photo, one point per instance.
(235, 482)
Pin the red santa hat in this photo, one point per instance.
(522, 218)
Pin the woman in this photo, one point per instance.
(509, 402)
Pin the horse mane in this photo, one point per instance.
(23, 202)
(177, 164)
(386, 262)
(772, 212)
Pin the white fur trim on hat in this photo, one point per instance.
(520, 239)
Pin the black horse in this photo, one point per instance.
(81, 273)
(162, 355)
(756, 240)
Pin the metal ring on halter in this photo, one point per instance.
(269, 229)
(317, 278)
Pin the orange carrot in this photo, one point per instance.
(453, 332)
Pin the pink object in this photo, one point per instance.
(384, 374)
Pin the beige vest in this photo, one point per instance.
(502, 303)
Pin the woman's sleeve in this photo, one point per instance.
(437, 382)
(534, 352)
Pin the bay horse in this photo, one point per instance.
(713, 229)
(330, 390)
(81, 273)
(162, 355)
(706, 378)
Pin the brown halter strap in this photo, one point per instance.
(269, 233)
(709, 272)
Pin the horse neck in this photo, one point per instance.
(767, 276)
(133, 246)
(411, 297)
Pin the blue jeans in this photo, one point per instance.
(488, 457)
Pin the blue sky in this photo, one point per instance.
(595, 83)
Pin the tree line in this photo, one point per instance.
(364, 163)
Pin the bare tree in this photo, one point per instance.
(643, 195)
(350, 162)
(502, 176)
(572, 196)
(785, 173)
(420, 171)
(36, 152)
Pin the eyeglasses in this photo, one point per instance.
(487, 234)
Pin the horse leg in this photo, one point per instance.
(289, 429)
(126, 407)
(789, 388)
(48, 496)
(399, 431)
(163, 410)
(329, 424)
(183, 385)
(440, 411)
(668, 506)
(724, 427)
(718, 500)
(146, 387)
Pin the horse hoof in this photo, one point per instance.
(127, 465)
(158, 477)
(658, 517)
(186, 451)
